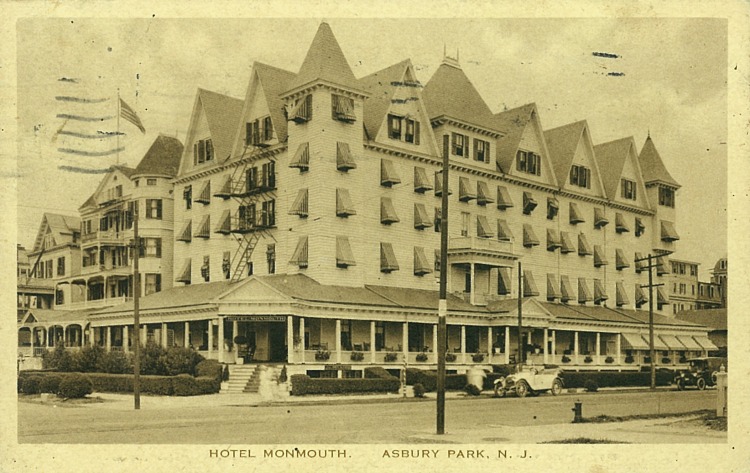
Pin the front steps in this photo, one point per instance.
(243, 379)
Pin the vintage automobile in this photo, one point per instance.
(701, 372)
(530, 380)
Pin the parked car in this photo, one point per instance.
(531, 381)
(701, 372)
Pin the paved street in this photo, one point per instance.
(242, 420)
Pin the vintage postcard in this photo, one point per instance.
(262, 236)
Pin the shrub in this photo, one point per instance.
(50, 383)
(225, 373)
(590, 385)
(428, 379)
(616, 379)
(51, 359)
(489, 381)
(209, 369)
(322, 355)
(283, 377)
(115, 362)
(418, 390)
(503, 370)
(88, 358)
(666, 360)
(472, 390)
(184, 385)
(152, 359)
(180, 360)
(75, 385)
(30, 384)
(375, 372)
(303, 384)
(629, 359)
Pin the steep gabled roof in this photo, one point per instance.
(450, 93)
(59, 225)
(222, 115)
(325, 62)
(275, 82)
(512, 123)
(652, 165)
(126, 170)
(610, 157)
(162, 158)
(562, 143)
(381, 89)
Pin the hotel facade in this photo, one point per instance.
(307, 217)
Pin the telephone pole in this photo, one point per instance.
(651, 286)
(136, 316)
(443, 302)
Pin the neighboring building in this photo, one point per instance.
(716, 321)
(684, 288)
(719, 278)
(307, 222)
(106, 271)
(23, 267)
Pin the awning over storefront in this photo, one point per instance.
(634, 341)
(658, 343)
(672, 342)
(705, 343)
(689, 343)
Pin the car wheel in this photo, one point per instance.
(701, 383)
(556, 387)
(522, 388)
(714, 377)
(680, 385)
(499, 391)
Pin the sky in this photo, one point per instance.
(671, 82)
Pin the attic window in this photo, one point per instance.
(412, 131)
(203, 151)
(481, 150)
(529, 162)
(259, 132)
(666, 197)
(459, 145)
(394, 127)
(342, 108)
(151, 181)
(627, 189)
(580, 176)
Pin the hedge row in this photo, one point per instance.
(428, 379)
(35, 382)
(303, 384)
(615, 379)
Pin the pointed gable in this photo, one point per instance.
(222, 113)
(522, 130)
(618, 159)
(570, 145)
(61, 227)
(450, 93)
(324, 62)
(162, 158)
(653, 167)
(275, 82)
(381, 89)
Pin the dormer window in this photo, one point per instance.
(666, 197)
(529, 162)
(403, 129)
(259, 132)
(343, 108)
(203, 151)
(580, 176)
(481, 151)
(459, 145)
(627, 189)
(412, 131)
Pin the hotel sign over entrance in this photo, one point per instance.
(256, 318)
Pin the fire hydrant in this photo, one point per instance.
(577, 412)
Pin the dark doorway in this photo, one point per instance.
(277, 341)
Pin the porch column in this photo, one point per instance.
(210, 324)
(32, 340)
(471, 291)
(108, 341)
(186, 337)
(554, 344)
(302, 337)
(235, 332)
(463, 330)
(546, 342)
(163, 337)
(144, 334)
(289, 338)
(434, 343)
(125, 338)
(506, 348)
(405, 341)
(575, 346)
(91, 336)
(65, 336)
(618, 347)
(489, 344)
(222, 349)
(598, 348)
(372, 341)
(338, 340)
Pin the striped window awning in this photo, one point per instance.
(186, 233)
(503, 281)
(553, 207)
(421, 218)
(224, 225)
(553, 240)
(640, 228)
(204, 197)
(689, 342)
(566, 242)
(529, 237)
(668, 232)
(503, 231)
(553, 289)
(421, 182)
(301, 158)
(343, 108)
(439, 184)
(529, 286)
(503, 198)
(387, 211)
(600, 292)
(184, 274)
(621, 295)
(529, 204)
(599, 219)
(633, 341)
(575, 214)
(225, 188)
(661, 296)
(465, 192)
(600, 259)
(671, 342)
(483, 194)
(584, 249)
(640, 263)
(388, 174)
(621, 262)
(204, 229)
(584, 293)
(344, 255)
(705, 342)
(344, 160)
(566, 289)
(662, 265)
(421, 265)
(484, 230)
(620, 225)
(640, 295)
(299, 257)
(299, 206)
(344, 206)
(388, 261)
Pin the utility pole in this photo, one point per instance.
(520, 317)
(651, 286)
(443, 303)
(136, 316)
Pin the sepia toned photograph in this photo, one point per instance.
(274, 243)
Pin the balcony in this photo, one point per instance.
(95, 303)
(111, 236)
(480, 250)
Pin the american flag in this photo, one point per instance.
(129, 114)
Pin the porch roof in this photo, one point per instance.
(51, 316)
(642, 316)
